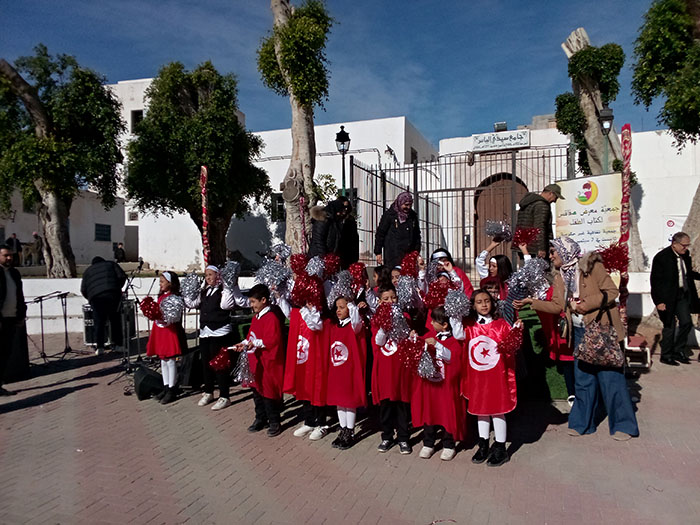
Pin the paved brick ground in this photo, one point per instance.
(74, 449)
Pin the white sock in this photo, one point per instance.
(170, 372)
(165, 371)
(350, 416)
(499, 427)
(484, 425)
(341, 417)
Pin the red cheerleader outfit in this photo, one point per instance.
(488, 378)
(466, 283)
(348, 358)
(266, 354)
(306, 372)
(559, 349)
(166, 335)
(440, 402)
(390, 378)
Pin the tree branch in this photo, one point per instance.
(28, 96)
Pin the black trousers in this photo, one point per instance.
(8, 327)
(313, 416)
(394, 415)
(210, 347)
(267, 410)
(106, 307)
(673, 347)
(430, 435)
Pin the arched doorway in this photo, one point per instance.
(495, 199)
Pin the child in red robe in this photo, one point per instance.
(392, 385)
(306, 371)
(346, 370)
(265, 347)
(488, 380)
(437, 401)
(167, 335)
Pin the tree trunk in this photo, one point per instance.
(297, 186)
(218, 228)
(53, 212)
(58, 254)
(692, 228)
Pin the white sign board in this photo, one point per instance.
(502, 140)
(590, 212)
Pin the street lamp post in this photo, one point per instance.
(342, 142)
(605, 117)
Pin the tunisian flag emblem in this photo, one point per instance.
(483, 353)
(339, 353)
(302, 350)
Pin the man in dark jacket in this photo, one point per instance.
(102, 287)
(12, 309)
(675, 296)
(536, 212)
(334, 230)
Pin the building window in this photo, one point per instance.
(133, 216)
(103, 232)
(414, 156)
(277, 211)
(136, 117)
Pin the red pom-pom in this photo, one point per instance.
(512, 342)
(437, 291)
(410, 352)
(382, 317)
(331, 265)
(525, 236)
(307, 289)
(298, 263)
(150, 309)
(222, 361)
(615, 257)
(409, 264)
(357, 271)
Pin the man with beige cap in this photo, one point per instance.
(536, 212)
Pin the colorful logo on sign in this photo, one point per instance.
(588, 193)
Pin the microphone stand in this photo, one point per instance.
(126, 332)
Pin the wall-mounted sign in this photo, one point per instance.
(502, 140)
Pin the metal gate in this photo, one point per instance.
(455, 195)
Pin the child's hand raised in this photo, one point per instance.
(362, 305)
(431, 341)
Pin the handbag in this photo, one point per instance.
(600, 346)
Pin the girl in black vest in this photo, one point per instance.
(215, 331)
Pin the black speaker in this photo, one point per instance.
(190, 371)
(147, 382)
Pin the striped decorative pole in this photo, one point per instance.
(625, 214)
(205, 215)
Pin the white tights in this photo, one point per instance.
(169, 371)
(499, 427)
(346, 417)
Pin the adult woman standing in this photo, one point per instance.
(398, 232)
(583, 288)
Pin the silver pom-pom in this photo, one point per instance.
(457, 304)
(191, 287)
(315, 267)
(528, 281)
(405, 290)
(427, 368)
(431, 273)
(342, 287)
(281, 250)
(499, 230)
(399, 327)
(242, 372)
(229, 274)
(172, 308)
(273, 274)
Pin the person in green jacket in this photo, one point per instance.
(536, 212)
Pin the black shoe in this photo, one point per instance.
(4, 392)
(482, 452)
(405, 448)
(683, 359)
(257, 426)
(669, 361)
(498, 455)
(348, 441)
(385, 445)
(160, 394)
(169, 397)
(274, 430)
(339, 439)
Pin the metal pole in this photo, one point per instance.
(513, 255)
(605, 157)
(343, 157)
(415, 186)
(352, 176)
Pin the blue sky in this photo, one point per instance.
(453, 68)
